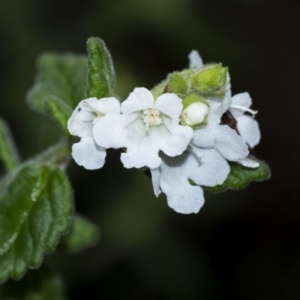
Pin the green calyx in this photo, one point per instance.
(178, 84)
(210, 80)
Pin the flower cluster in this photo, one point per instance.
(185, 131)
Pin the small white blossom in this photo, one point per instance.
(204, 163)
(145, 127)
(88, 112)
(220, 137)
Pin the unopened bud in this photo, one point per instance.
(195, 110)
(210, 80)
(178, 84)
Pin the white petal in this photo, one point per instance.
(181, 195)
(86, 116)
(143, 156)
(109, 131)
(215, 112)
(248, 162)
(78, 127)
(143, 146)
(89, 104)
(169, 104)
(248, 129)
(220, 105)
(195, 60)
(137, 100)
(173, 139)
(242, 99)
(116, 131)
(87, 154)
(109, 105)
(155, 176)
(229, 143)
(226, 102)
(211, 170)
(204, 136)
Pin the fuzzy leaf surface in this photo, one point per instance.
(59, 86)
(34, 212)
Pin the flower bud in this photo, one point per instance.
(195, 111)
(210, 80)
(178, 84)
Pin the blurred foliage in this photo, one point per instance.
(241, 245)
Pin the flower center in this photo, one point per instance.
(151, 117)
(98, 116)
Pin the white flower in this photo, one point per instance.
(220, 137)
(204, 162)
(144, 128)
(86, 153)
(175, 173)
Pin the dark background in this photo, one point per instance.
(241, 245)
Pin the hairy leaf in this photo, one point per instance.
(57, 155)
(8, 152)
(59, 86)
(101, 74)
(41, 284)
(34, 213)
(84, 234)
(240, 176)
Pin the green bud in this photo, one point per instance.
(178, 84)
(195, 111)
(210, 80)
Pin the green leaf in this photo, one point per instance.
(8, 152)
(239, 176)
(101, 74)
(57, 155)
(41, 284)
(59, 85)
(84, 234)
(34, 213)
